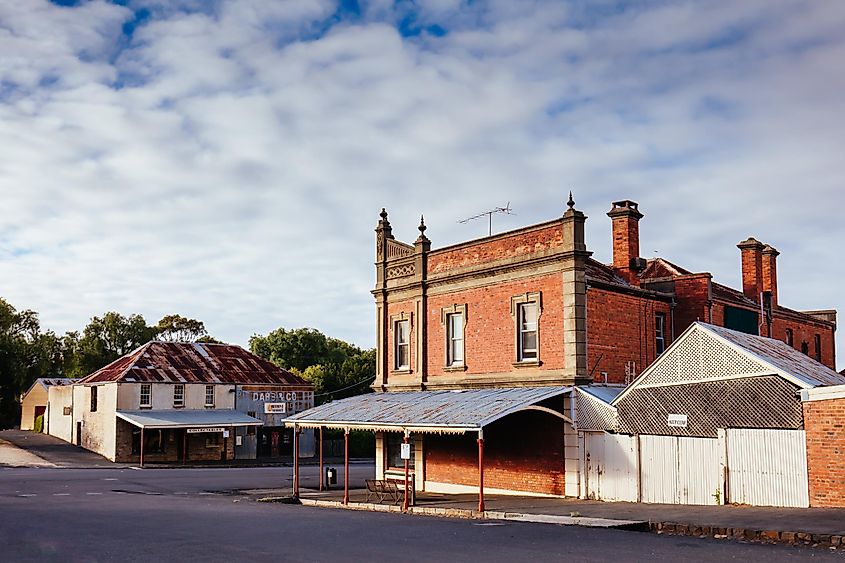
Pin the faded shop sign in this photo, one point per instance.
(274, 396)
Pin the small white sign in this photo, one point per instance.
(201, 430)
(225, 433)
(274, 408)
(677, 420)
(406, 451)
(239, 440)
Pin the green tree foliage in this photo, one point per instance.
(176, 328)
(27, 353)
(336, 368)
(109, 337)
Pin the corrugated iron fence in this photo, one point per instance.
(756, 467)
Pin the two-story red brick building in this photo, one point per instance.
(531, 308)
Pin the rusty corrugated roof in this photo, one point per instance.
(783, 357)
(193, 362)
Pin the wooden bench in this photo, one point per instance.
(383, 489)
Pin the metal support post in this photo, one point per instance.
(407, 464)
(346, 466)
(481, 471)
(321, 458)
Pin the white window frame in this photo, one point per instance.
(447, 316)
(209, 405)
(148, 387)
(518, 305)
(659, 333)
(178, 396)
(397, 345)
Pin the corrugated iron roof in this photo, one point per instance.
(784, 358)
(193, 362)
(604, 393)
(193, 418)
(469, 409)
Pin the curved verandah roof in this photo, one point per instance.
(442, 411)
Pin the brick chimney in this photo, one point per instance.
(626, 239)
(770, 272)
(752, 268)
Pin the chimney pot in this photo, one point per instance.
(752, 268)
(626, 216)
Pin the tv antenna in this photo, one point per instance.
(489, 214)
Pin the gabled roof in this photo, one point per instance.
(662, 268)
(426, 411)
(47, 382)
(705, 352)
(193, 362)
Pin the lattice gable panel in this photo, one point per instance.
(701, 357)
(594, 414)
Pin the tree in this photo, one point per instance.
(109, 337)
(336, 368)
(176, 328)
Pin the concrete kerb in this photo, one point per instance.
(486, 515)
(832, 542)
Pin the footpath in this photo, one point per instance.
(817, 527)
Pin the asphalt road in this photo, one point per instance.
(162, 515)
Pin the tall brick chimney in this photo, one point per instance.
(752, 267)
(626, 239)
(770, 272)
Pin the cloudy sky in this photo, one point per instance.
(227, 160)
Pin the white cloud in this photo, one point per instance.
(228, 160)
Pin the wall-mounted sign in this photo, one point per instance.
(225, 433)
(677, 420)
(201, 430)
(274, 408)
(274, 396)
(405, 452)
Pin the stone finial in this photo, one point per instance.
(571, 202)
(422, 228)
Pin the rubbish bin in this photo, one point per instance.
(331, 476)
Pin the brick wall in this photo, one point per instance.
(691, 295)
(806, 332)
(198, 449)
(522, 452)
(824, 422)
(490, 333)
(511, 245)
(621, 328)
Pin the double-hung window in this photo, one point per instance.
(527, 323)
(146, 395)
(818, 348)
(659, 333)
(455, 339)
(789, 337)
(402, 347)
(178, 396)
(209, 396)
(525, 311)
(94, 398)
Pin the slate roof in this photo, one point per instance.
(456, 411)
(190, 362)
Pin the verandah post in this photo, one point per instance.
(481, 470)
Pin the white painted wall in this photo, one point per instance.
(99, 429)
(59, 424)
(129, 396)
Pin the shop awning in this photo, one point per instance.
(206, 418)
(456, 411)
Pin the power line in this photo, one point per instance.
(345, 388)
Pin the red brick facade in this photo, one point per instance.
(619, 305)
(523, 452)
(824, 422)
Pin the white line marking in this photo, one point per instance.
(93, 493)
(61, 494)
(137, 468)
(181, 493)
(110, 479)
(28, 495)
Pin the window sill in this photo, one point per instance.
(145, 407)
(528, 364)
(209, 406)
(454, 368)
(406, 371)
(178, 406)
